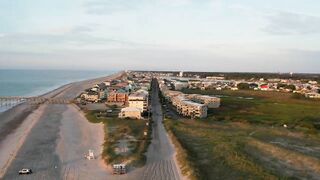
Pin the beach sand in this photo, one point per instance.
(77, 136)
(38, 135)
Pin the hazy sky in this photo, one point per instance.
(205, 35)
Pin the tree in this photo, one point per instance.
(292, 87)
(243, 86)
(287, 86)
(253, 85)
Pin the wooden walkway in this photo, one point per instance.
(13, 100)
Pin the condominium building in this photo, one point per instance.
(117, 97)
(188, 108)
(210, 101)
(178, 85)
(139, 99)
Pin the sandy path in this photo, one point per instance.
(77, 136)
(161, 161)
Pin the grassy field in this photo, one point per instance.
(245, 138)
(124, 138)
(271, 108)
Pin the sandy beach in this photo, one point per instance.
(38, 137)
(77, 136)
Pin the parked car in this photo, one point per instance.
(119, 169)
(25, 171)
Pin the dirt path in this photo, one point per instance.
(291, 163)
(77, 136)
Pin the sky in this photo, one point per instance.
(190, 35)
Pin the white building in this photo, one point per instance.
(211, 102)
(180, 85)
(91, 96)
(312, 95)
(139, 99)
(181, 74)
(189, 108)
(130, 112)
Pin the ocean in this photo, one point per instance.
(38, 82)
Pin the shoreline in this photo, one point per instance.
(19, 115)
(47, 91)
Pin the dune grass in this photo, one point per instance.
(118, 129)
(271, 108)
(218, 147)
(216, 152)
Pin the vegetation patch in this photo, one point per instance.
(270, 108)
(187, 167)
(221, 146)
(125, 140)
(217, 153)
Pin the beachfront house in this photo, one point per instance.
(91, 96)
(130, 112)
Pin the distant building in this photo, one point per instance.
(130, 112)
(264, 87)
(178, 85)
(215, 77)
(181, 74)
(211, 102)
(91, 96)
(114, 97)
(107, 83)
(312, 95)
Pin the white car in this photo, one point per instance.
(25, 171)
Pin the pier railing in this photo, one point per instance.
(14, 100)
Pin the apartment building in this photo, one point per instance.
(211, 102)
(168, 94)
(178, 85)
(189, 108)
(139, 99)
(117, 97)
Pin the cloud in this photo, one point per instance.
(165, 59)
(287, 23)
(107, 7)
(100, 7)
(88, 28)
(71, 40)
